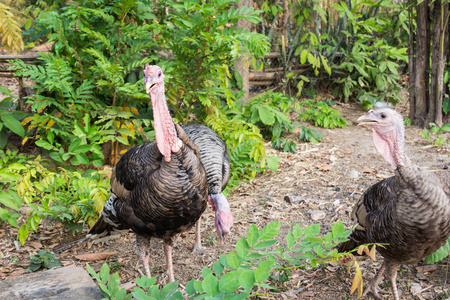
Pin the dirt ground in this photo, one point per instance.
(328, 177)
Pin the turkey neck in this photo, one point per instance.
(166, 135)
(390, 144)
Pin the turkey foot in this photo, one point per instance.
(373, 286)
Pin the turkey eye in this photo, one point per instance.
(159, 75)
(383, 116)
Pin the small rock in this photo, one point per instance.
(292, 199)
(415, 288)
(426, 268)
(445, 167)
(317, 214)
(338, 189)
(336, 202)
(421, 276)
(353, 174)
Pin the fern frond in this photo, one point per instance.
(10, 33)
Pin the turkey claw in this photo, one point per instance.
(375, 291)
(198, 249)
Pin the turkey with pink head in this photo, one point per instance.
(158, 189)
(410, 211)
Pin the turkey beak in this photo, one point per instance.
(148, 81)
(367, 119)
(149, 86)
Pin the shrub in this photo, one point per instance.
(68, 197)
(11, 166)
(321, 114)
(245, 270)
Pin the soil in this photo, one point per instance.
(328, 177)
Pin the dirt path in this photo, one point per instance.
(328, 177)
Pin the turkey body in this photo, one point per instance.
(409, 212)
(154, 197)
(213, 155)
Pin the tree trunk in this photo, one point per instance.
(242, 64)
(440, 39)
(427, 88)
(418, 110)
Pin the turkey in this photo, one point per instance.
(158, 189)
(409, 211)
(213, 155)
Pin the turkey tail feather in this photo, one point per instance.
(101, 226)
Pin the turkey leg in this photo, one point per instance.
(143, 250)
(168, 250)
(198, 237)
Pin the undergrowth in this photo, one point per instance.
(59, 194)
(246, 272)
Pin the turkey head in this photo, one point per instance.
(166, 135)
(388, 134)
(222, 214)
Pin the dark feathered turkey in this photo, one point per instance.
(213, 155)
(409, 211)
(158, 189)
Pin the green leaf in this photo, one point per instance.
(234, 262)
(113, 283)
(290, 241)
(104, 272)
(247, 279)
(312, 230)
(229, 282)
(13, 125)
(190, 289)
(91, 271)
(82, 158)
(338, 229)
(270, 231)
(211, 285)
(265, 244)
(122, 140)
(23, 233)
(439, 254)
(304, 56)
(73, 145)
(3, 137)
(297, 231)
(169, 289)
(262, 272)
(140, 294)
(266, 115)
(273, 162)
(198, 286)
(252, 235)
(239, 80)
(10, 199)
(218, 268)
(206, 272)
(242, 247)
(44, 144)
